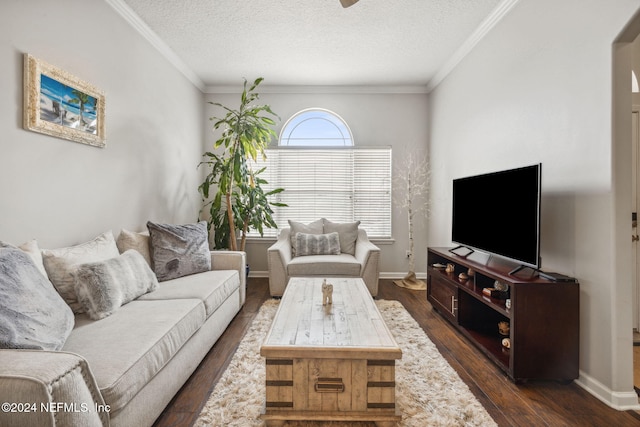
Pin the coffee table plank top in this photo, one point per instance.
(350, 327)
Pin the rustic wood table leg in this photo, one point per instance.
(274, 423)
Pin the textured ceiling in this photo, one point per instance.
(314, 42)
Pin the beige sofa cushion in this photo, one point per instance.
(211, 287)
(126, 349)
(328, 265)
(135, 240)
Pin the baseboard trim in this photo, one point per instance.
(383, 275)
(621, 401)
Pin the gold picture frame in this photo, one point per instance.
(59, 104)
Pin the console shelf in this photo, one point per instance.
(543, 317)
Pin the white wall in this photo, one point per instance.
(62, 192)
(538, 88)
(375, 119)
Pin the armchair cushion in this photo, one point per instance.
(317, 244)
(316, 227)
(324, 265)
(348, 234)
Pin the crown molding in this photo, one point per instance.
(145, 31)
(323, 89)
(483, 29)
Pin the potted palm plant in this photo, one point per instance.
(239, 202)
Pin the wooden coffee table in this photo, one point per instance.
(333, 362)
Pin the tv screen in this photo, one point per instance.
(499, 213)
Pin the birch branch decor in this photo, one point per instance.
(411, 185)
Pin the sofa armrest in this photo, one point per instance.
(232, 260)
(49, 388)
(368, 255)
(278, 257)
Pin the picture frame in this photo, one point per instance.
(59, 104)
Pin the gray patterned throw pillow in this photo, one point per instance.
(317, 244)
(32, 314)
(179, 250)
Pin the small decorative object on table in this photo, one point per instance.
(463, 277)
(506, 342)
(450, 268)
(327, 293)
(471, 272)
(504, 328)
(502, 287)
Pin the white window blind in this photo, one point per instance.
(340, 184)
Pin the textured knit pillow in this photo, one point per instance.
(179, 250)
(60, 263)
(317, 244)
(132, 240)
(297, 227)
(102, 287)
(348, 234)
(32, 314)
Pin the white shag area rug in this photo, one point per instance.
(428, 390)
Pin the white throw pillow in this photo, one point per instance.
(60, 263)
(31, 248)
(103, 287)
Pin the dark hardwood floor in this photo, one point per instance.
(533, 403)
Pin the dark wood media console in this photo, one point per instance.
(544, 315)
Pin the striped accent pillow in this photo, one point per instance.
(317, 244)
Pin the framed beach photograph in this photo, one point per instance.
(61, 105)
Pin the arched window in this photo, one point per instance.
(325, 176)
(316, 127)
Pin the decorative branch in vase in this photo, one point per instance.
(411, 184)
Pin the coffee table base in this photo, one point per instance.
(313, 389)
(278, 420)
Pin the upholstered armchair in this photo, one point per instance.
(310, 250)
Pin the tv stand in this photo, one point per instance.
(543, 315)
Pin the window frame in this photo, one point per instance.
(368, 184)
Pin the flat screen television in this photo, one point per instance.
(499, 213)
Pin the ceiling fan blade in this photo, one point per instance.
(347, 3)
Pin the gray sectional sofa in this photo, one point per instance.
(123, 369)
